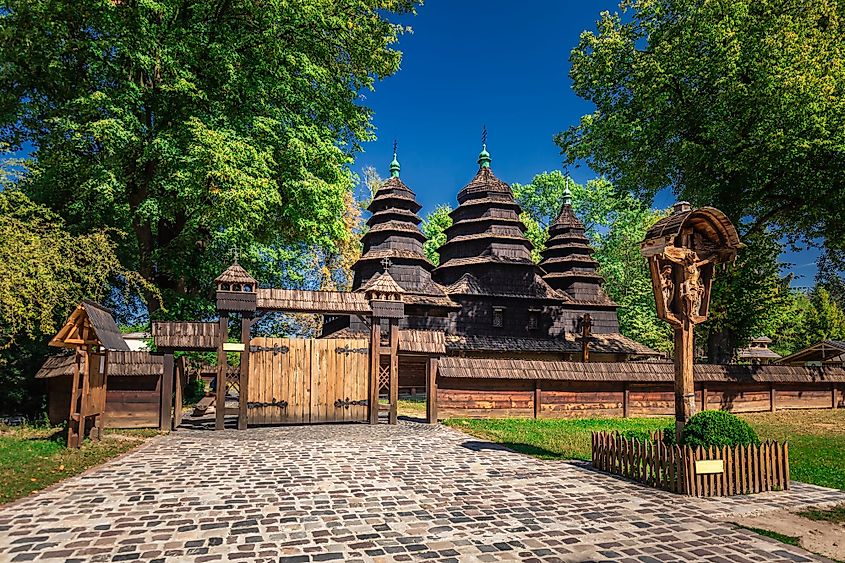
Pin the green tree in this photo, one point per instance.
(739, 105)
(616, 223)
(44, 272)
(749, 297)
(831, 274)
(825, 320)
(434, 228)
(195, 127)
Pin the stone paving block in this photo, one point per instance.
(356, 492)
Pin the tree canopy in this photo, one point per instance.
(44, 272)
(194, 128)
(739, 105)
(434, 228)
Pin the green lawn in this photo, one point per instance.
(816, 438)
(34, 458)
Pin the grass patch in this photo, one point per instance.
(34, 458)
(835, 515)
(816, 438)
(816, 442)
(551, 438)
(411, 407)
(783, 538)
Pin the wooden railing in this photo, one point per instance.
(725, 471)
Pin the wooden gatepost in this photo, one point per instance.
(91, 332)
(385, 296)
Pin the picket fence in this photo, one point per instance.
(745, 469)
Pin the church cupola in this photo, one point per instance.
(568, 261)
(394, 244)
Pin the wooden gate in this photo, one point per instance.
(302, 381)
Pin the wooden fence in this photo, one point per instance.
(725, 471)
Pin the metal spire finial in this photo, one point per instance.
(394, 164)
(484, 157)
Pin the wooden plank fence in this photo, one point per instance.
(746, 469)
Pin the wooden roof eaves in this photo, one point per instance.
(835, 347)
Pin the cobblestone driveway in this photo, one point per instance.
(355, 492)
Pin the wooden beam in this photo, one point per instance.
(243, 385)
(394, 371)
(74, 398)
(100, 419)
(626, 400)
(165, 419)
(772, 398)
(703, 397)
(86, 389)
(431, 390)
(538, 399)
(375, 346)
(220, 407)
(178, 400)
(684, 386)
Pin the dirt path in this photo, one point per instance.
(824, 538)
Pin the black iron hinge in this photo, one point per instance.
(347, 350)
(273, 403)
(346, 403)
(275, 349)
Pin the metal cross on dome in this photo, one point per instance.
(386, 263)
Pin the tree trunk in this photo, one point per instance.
(720, 346)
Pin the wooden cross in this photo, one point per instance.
(386, 263)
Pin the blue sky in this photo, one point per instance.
(498, 63)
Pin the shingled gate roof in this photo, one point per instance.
(411, 341)
(99, 319)
(235, 274)
(306, 301)
(121, 363)
(188, 336)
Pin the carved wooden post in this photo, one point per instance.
(682, 251)
(236, 293)
(243, 384)
(431, 391)
(394, 371)
(222, 368)
(165, 416)
(385, 297)
(375, 368)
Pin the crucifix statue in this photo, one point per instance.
(682, 252)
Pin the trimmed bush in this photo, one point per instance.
(718, 428)
(669, 435)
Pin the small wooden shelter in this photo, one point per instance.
(91, 332)
(824, 353)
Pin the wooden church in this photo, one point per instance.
(487, 298)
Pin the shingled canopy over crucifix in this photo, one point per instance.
(682, 252)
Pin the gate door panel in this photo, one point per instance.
(346, 392)
(294, 380)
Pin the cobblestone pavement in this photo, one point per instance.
(355, 492)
